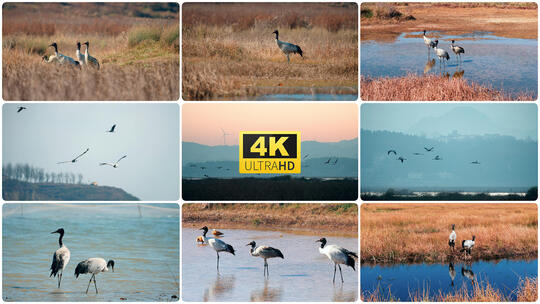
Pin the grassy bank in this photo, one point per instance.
(137, 46)
(526, 292)
(328, 219)
(404, 233)
(386, 21)
(430, 88)
(228, 49)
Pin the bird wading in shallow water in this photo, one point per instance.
(338, 255)
(93, 266)
(264, 252)
(217, 245)
(60, 258)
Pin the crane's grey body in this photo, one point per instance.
(264, 252)
(442, 54)
(60, 58)
(457, 50)
(93, 266)
(287, 48)
(338, 255)
(60, 258)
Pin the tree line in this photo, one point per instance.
(28, 173)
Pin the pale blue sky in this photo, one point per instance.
(518, 120)
(148, 134)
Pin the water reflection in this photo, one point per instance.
(341, 295)
(429, 65)
(451, 272)
(467, 272)
(221, 285)
(458, 73)
(266, 294)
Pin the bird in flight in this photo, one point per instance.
(306, 156)
(475, 162)
(75, 159)
(391, 151)
(429, 150)
(112, 129)
(437, 158)
(335, 162)
(401, 159)
(115, 165)
(416, 153)
(19, 109)
(328, 161)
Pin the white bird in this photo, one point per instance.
(89, 60)
(442, 54)
(78, 55)
(216, 244)
(428, 42)
(19, 109)
(338, 255)
(264, 252)
(112, 129)
(115, 165)
(288, 48)
(452, 238)
(59, 58)
(60, 258)
(75, 159)
(467, 245)
(93, 266)
(457, 50)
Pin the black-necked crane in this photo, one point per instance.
(19, 109)
(112, 129)
(328, 161)
(75, 159)
(78, 55)
(93, 266)
(452, 238)
(115, 165)
(60, 258)
(442, 54)
(89, 60)
(457, 50)
(60, 58)
(264, 252)
(287, 48)
(401, 159)
(429, 149)
(217, 245)
(475, 162)
(391, 151)
(467, 245)
(338, 255)
(428, 42)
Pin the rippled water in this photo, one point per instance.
(304, 274)
(144, 246)
(405, 280)
(506, 63)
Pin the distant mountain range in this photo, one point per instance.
(222, 161)
(14, 190)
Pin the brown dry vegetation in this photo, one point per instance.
(430, 88)
(505, 19)
(137, 46)
(328, 219)
(526, 292)
(400, 233)
(228, 49)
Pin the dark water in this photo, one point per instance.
(405, 279)
(304, 274)
(145, 249)
(505, 63)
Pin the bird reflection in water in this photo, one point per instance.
(220, 286)
(458, 74)
(451, 272)
(429, 65)
(344, 296)
(266, 294)
(467, 272)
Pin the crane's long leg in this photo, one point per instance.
(340, 273)
(59, 279)
(89, 283)
(217, 261)
(95, 284)
(267, 271)
(288, 60)
(334, 279)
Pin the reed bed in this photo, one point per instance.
(405, 233)
(431, 88)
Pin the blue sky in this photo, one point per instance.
(148, 134)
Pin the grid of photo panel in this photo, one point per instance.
(448, 151)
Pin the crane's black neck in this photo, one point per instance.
(323, 243)
(60, 238)
(204, 232)
(277, 35)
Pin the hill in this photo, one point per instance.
(14, 190)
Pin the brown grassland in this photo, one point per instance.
(228, 49)
(405, 233)
(431, 88)
(328, 219)
(137, 45)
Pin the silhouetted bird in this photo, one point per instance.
(391, 151)
(19, 109)
(429, 150)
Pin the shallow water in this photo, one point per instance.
(505, 63)
(302, 97)
(145, 250)
(304, 274)
(405, 279)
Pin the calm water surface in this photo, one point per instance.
(504, 63)
(304, 274)
(145, 249)
(405, 279)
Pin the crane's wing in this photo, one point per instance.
(63, 162)
(121, 158)
(103, 164)
(112, 128)
(20, 109)
(87, 149)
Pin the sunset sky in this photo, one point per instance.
(323, 122)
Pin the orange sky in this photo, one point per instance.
(323, 122)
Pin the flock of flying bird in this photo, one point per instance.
(81, 59)
(338, 255)
(92, 266)
(74, 160)
(437, 157)
(441, 53)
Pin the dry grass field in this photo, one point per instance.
(228, 49)
(330, 218)
(404, 233)
(137, 45)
